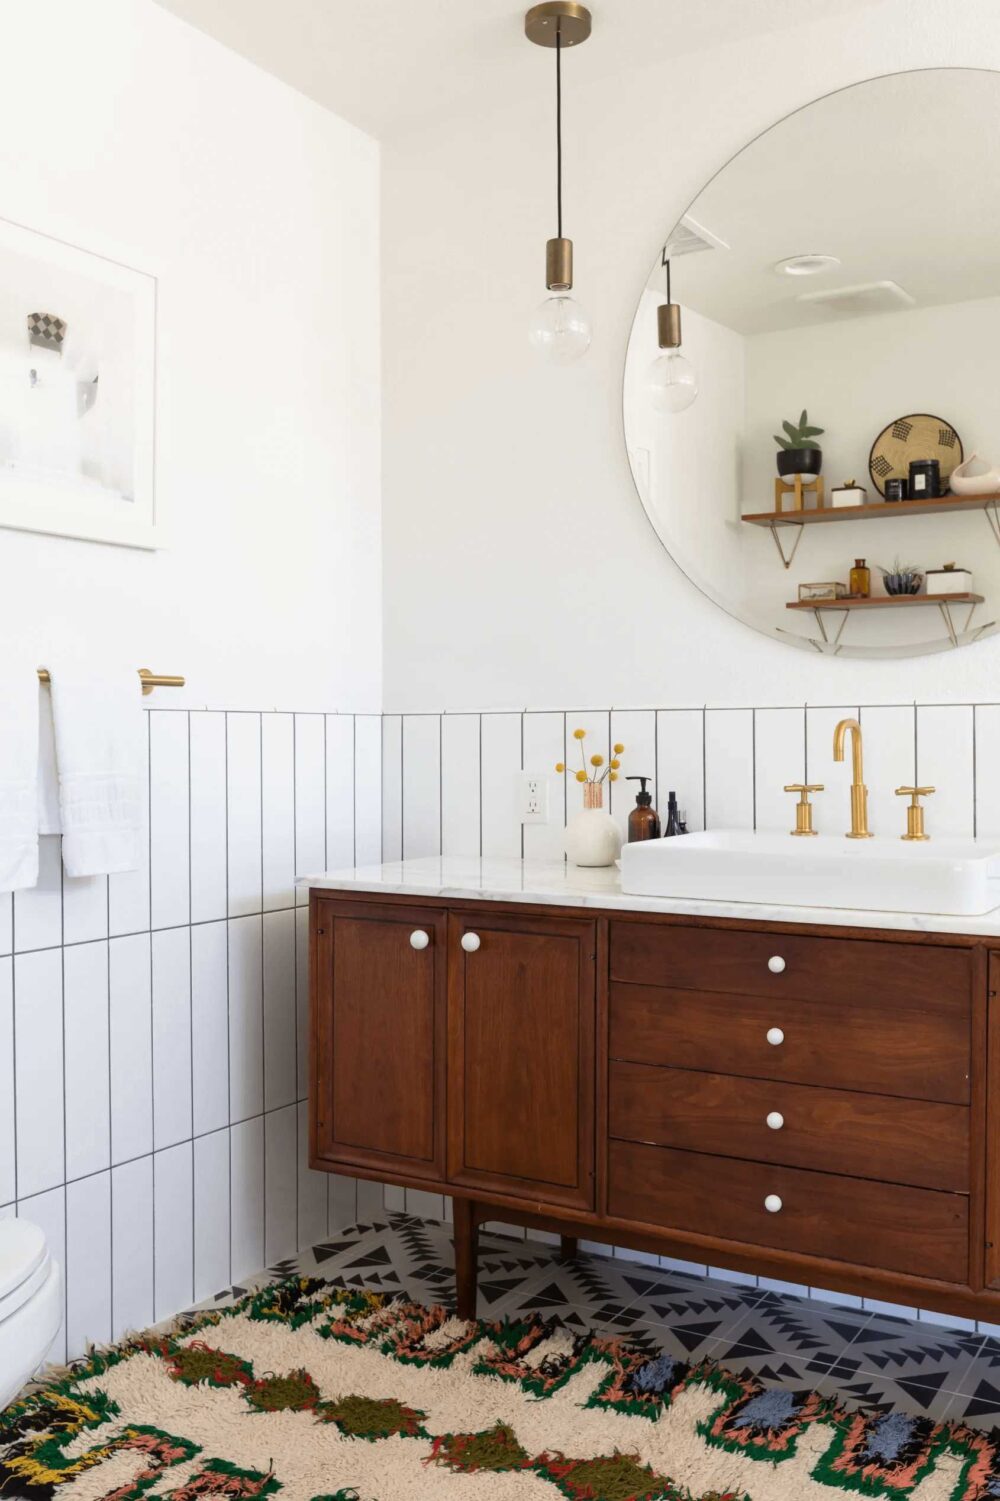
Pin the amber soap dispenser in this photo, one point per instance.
(643, 821)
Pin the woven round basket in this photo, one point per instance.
(918, 436)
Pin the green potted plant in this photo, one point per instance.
(798, 451)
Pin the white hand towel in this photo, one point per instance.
(18, 775)
(48, 776)
(99, 745)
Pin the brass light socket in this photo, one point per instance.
(668, 325)
(559, 265)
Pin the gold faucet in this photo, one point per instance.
(859, 792)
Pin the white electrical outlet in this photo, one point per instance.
(532, 797)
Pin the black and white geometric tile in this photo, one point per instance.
(866, 1359)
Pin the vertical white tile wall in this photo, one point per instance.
(152, 1026)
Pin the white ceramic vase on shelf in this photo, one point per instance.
(592, 836)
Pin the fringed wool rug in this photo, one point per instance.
(314, 1393)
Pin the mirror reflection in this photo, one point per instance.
(811, 384)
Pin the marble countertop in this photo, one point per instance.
(556, 884)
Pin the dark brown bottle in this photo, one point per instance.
(643, 821)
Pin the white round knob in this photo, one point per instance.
(772, 1204)
(776, 964)
(775, 1120)
(419, 939)
(775, 1036)
(470, 942)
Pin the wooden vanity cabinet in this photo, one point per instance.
(817, 1104)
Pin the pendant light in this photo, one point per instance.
(673, 384)
(560, 329)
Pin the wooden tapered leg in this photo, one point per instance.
(466, 1257)
(567, 1248)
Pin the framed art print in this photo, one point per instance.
(77, 392)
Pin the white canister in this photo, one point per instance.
(848, 495)
(592, 836)
(949, 580)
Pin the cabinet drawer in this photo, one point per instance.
(911, 1230)
(829, 969)
(858, 1043)
(835, 1130)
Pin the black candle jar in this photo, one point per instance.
(896, 489)
(925, 479)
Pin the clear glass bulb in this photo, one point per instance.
(673, 384)
(560, 329)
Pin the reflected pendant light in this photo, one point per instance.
(673, 385)
(560, 329)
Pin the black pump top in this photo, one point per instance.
(643, 799)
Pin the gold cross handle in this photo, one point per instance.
(803, 808)
(915, 813)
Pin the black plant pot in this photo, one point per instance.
(799, 461)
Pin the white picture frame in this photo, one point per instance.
(79, 462)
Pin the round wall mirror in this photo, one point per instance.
(812, 384)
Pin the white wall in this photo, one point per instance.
(519, 567)
(152, 1080)
(122, 126)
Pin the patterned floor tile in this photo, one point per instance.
(820, 1332)
(862, 1358)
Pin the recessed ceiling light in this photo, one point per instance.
(806, 265)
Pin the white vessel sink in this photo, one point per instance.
(948, 876)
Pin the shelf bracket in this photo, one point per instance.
(799, 528)
(949, 622)
(993, 519)
(835, 642)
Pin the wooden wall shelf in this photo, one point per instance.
(844, 607)
(893, 601)
(885, 510)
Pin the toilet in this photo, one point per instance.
(30, 1304)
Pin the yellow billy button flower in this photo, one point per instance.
(619, 748)
(581, 776)
(615, 764)
(579, 734)
(560, 766)
(597, 760)
(613, 777)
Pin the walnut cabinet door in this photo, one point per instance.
(521, 1083)
(378, 1038)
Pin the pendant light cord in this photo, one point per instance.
(559, 128)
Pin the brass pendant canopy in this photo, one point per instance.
(668, 325)
(557, 18)
(559, 265)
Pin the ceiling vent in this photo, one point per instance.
(856, 302)
(690, 237)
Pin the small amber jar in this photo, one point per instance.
(861, 579)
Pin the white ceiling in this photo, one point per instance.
(389, 65)
(888, 176)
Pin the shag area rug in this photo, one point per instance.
(315, 1393)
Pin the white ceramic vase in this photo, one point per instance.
(592, 836)
(962, 482)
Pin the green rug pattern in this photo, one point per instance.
(316, 1393)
